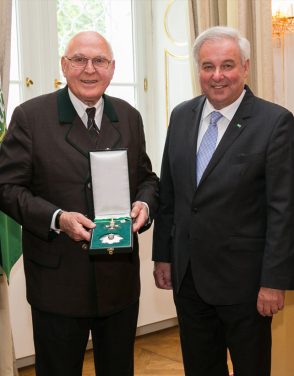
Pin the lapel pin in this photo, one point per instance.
(239, 125)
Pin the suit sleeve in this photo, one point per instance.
(17, 198)
(278, 262)
(164, 220)
(147, 184)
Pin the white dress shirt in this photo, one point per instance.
(81, 107)
(222, 125)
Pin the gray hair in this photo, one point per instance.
(222, 32)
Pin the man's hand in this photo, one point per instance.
(162, 275)
(270, 301)
(139, 214)
(76, 226)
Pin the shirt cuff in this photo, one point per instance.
(147, 207)
(52, 227)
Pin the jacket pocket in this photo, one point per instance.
(247, 158)
(247, 244)
(41, 252)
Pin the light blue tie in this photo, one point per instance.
(208, 144)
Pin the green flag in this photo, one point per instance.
(10, 231)
(2, 116)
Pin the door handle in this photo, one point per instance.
(57, 83)
(29, 82)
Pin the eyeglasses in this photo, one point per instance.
(80, 62)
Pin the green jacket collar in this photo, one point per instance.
(67, 112)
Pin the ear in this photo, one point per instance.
(112, 67)
(63, 63)
(246, 66)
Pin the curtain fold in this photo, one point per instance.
(5, 36)
(255, 23)
(253, 19)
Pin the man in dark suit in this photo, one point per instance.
(45, 186)
(223, 234)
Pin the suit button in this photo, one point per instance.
(85, 246)
(195, 210)
(89, 185)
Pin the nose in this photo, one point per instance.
(218, 74)
(90, 67)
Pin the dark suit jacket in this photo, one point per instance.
(44, 166)
(236, 227)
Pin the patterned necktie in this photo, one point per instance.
(208, 144)
(91, 119)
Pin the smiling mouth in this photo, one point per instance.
(218, 86)
(89, 81)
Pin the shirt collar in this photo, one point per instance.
(228, 112)
(81, 107)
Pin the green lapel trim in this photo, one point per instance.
(109, 109)
(66, 110)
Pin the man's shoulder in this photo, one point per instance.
(271, 106)
(39, 101)
(118, 109)
(118, 103)
(190, 103)
(266, 106)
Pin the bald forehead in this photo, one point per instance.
(88, 39)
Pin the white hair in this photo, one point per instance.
(222, 32)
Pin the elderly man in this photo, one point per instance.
(223, 234)
(44, 185)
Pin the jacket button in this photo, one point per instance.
(195, 210)
(85, 246)
(89, 185)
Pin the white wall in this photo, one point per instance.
(155, 305)
(20, 313)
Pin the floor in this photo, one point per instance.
(156, 354)
(159, 354)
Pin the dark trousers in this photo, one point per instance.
(207, 331)
(60, 343)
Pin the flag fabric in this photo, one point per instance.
(10, 243)
(10, 231)
(2, 117)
